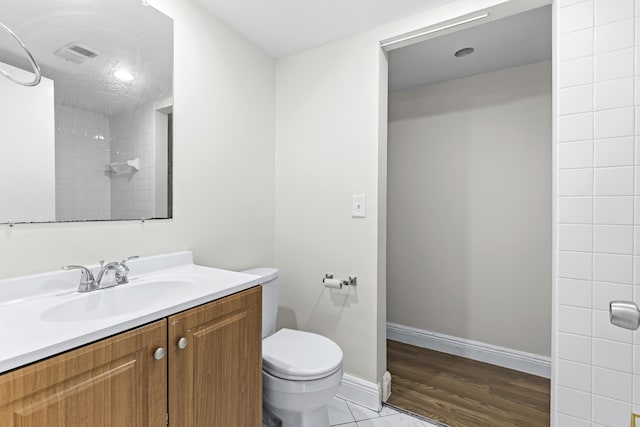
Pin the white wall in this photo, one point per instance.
(27, 151)
(82, 146)
(223, 165)
(469, 229)
(329, 144)
(596, 364)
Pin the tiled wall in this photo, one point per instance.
(133, 135)
(83, 189)
(597, 210)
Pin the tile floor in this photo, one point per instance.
(347, 414)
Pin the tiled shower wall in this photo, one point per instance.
(133, 136)
(83, 189)
(598, 240)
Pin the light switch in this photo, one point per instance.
(359, 209)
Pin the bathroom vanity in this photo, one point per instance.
(188, 363)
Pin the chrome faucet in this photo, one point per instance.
(112, 274)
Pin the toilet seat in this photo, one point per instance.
(300, 356)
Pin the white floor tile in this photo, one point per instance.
(397, 420)
(389, 411)
(361, 413)
(339, 412)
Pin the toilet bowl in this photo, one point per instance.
(301, 371)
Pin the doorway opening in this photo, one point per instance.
(469, 223)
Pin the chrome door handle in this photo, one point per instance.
(624, 314)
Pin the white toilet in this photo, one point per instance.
(301, 371)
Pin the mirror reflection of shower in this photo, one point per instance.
(91, 140)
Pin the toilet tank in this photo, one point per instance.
(270, 287)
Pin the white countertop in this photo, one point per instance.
(29, 330)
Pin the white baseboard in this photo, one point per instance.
(361, 392)
(495, 355)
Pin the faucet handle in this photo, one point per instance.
(122, 270)
(131, 258)
(87, 281)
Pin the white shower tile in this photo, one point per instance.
(574, 320)
(611, 181)
(612, 354)
(574, 375)
(576, 99)
(614, 152)
(613, 268)
(569, 421)
(572, 155)
(576, 44)
(575, 292)
(612, 384)
(579, 210)
(575, 265)
(602, 328)
(576, 72)
(565, 3)
(604, 293)
(614, 65)
(614, 94)
(576, 127)
(608, 210)
(614, 123)
(576, 17)
(576, 348)
(574, 402)
(612, 10)
(611, 412)
(575, 238)
(615, 239)
(614, 36)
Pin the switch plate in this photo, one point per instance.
(359, 209)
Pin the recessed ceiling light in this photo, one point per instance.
(464, 52)
(123, 74)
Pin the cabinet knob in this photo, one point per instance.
(183, 343)
(159, 353)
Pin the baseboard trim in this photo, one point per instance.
(501, 356)
(361, 392)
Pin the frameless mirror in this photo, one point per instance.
(93, 140)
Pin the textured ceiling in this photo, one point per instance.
(122, 32)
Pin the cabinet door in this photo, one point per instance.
(216, 380)
(115, 382)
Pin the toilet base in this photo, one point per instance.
(298, 403)
(318, 417)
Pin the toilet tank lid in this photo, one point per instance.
(267, 273)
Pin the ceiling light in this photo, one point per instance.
(123, 74)
(464, 52)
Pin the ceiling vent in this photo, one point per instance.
(75, 53)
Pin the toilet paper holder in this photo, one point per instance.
(330, 282)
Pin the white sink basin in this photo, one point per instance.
(43, 314)
(117, 301)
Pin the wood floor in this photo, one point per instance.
(462, 392)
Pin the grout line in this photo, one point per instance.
(593, 213)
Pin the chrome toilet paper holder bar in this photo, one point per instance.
(351, 281)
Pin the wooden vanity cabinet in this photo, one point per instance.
(215, 372)
(215, 380)
(113, 382)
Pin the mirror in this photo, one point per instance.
(93, 140)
